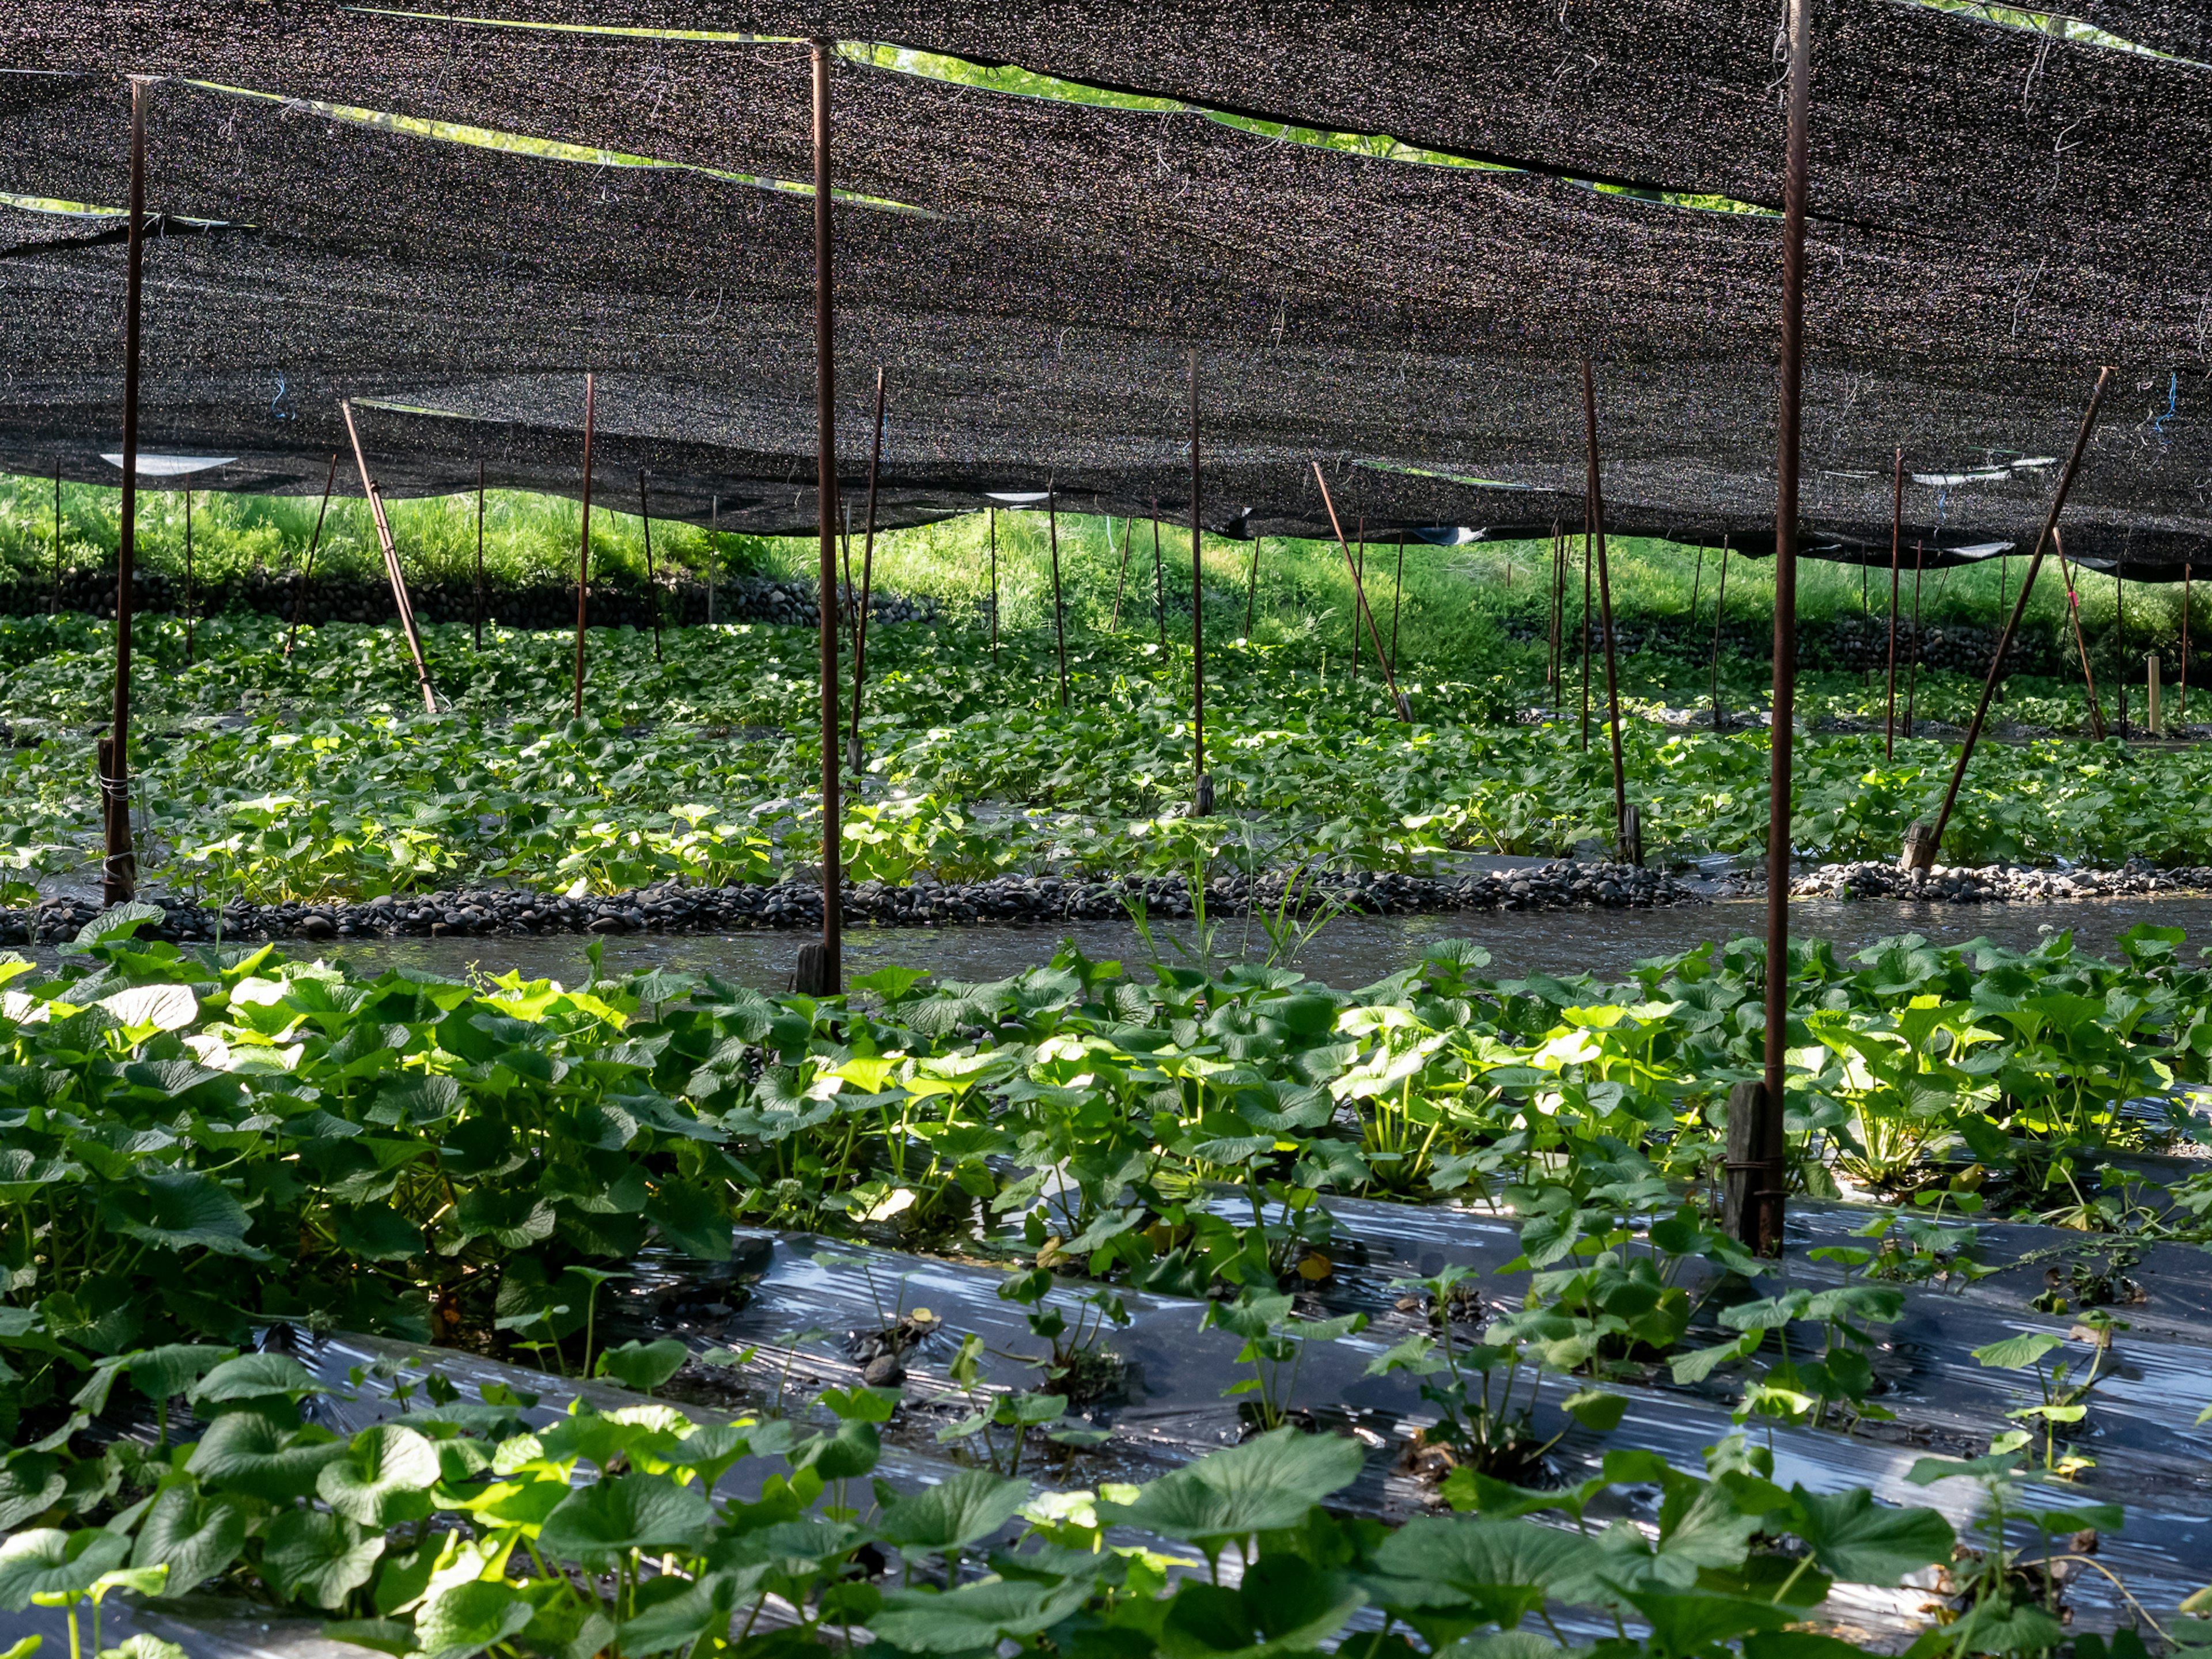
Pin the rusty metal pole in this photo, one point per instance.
(398, 578)
(2081, 644)
(480, 518)
(307, 570)
(995, 586)
(1201, 805)
(867, 580)
(652, 587)
(584, 548)
(1060, 609)
(1896, 543)
(821, 967)
(1758, 1148)
(2020, 608)
(1359, 595)
(119, 864)
(1621, 836)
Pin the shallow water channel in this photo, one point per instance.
(1347, 952)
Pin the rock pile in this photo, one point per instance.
(1995, 883)
(1008, 899)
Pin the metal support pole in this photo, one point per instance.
(119, 865)
(714, 555)
(2019, 607)
(1588, 570)
(584, 547)
(995, 586)
(480, 518)
(1558, 676)
(1896, 543)
(1201, 781)
(391, 571)
(822, 971)
(2081, 644)
(2181, 709)
(1697, 582)
(867, 580)
(307, 570)
(1628, 854)
(1762, 1180)
(652, 587)
(1359, 594)
(1160, 581)
(1059, 608)
(57, 542)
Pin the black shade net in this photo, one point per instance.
(1996, 211)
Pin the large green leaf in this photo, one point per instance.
(693, 1219)
(1505, 1569)
(513, 1217)
(1690, 1626)
(194, 1535)
(254, 1377)
(704, 1605)
(1263, 1486)
(313, 1556)
(469, 1617)
(384, 1477)
(29, 1481)
(953, 1514)
(976, 1616)
(182, 1210)
(631, 1511)
(375, 1232)
(644, 1365)
(1284, 1604)
(244, 1452)
(1856, 1538)
(47, 1562)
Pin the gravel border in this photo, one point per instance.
(1992, 884)
(1009, 899)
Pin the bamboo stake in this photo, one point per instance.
(2012, 622)
(652, 586)
(307, 570)
(1359, 594)
(584, 548)
(2081, 644)
(392, 569)
(867, 579)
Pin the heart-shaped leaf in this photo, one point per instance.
(644, 1365)
(1855, 1539)
(469, 1617)
(195, 1536)
(316, 1557)
(384, 1477)
(45, 1561)
(955, 1513)
(631, 1511)
(1263, 1486)
(244, 1452)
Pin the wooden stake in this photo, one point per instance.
(2012, 622)
(1622, 840)
(1896, 534)
(1121, 578)
(652, 586)
(1720, 609)
(391, 571)
(118, 870)
(821, 973)
(584, 548)
(1360, 596)
(1398, 593)
(1058, 607)
(1202, 780)
(867, 580)
(188, 574)
(480, 518)
(2081, 644)
(308, 571)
